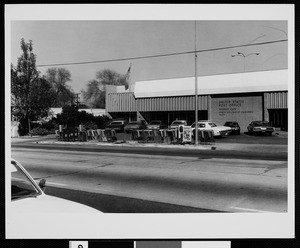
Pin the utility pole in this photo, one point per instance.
(196, 89)
(77, 101)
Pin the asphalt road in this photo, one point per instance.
(133, 180)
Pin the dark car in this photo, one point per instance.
(156, 125)
(117, 125)
(260, 127)
(234, 125)
(135, 125)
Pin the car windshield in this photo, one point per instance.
(230, 124)
(116, 123)
(21, 185)
(201, 125)
(155, 123)
(261, 123)
(212, 124)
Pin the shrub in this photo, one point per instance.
(90, 125)
(51, 126)
(39, 131)
(23, 127)
(102, 121)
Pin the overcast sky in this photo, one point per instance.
(73, 41)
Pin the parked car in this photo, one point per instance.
(177, 123)
(28, 197)
(117, 125)
(135, 125)
(234, 125)
(156, 125)
(209, 125)
(260, 127)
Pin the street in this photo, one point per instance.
(129, 182)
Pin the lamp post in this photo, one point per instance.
(244, 56)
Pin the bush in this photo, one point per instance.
(51, 126)
(39, 131)
(102, 121)
(23, 126)
(90, 125)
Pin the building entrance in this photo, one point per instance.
(168, 116)
(278, 118)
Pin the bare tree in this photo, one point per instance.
(59, 77)
(95, 91)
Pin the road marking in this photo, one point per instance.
(252, 210)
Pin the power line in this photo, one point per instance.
(163, 55)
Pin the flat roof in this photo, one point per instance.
(261, 81)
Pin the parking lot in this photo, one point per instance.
(278, 137)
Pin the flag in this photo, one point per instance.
(127, 78)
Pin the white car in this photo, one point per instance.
(28, 197)
(209, 125)
(177, 123)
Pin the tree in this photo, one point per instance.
(110, 77)
(59, 77)
(96, 90)
(31, 96)
(69, 116)
(93, 95)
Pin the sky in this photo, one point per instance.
(75, 40)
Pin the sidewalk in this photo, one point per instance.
(261, 148)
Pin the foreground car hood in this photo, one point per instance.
(49, 204)
(51, 217)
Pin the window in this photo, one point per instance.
(21, 185)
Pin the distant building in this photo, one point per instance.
(241, 97)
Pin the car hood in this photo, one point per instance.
(132, 126)
(49, 204)
(154, 125)
(218, 128)
(51, 217)
(114, 125)
(222, 128)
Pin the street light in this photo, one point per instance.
(244, 56)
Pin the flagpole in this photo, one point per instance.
(196, 89)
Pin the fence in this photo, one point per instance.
(205, 137)
(167, 136)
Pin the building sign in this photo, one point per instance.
(241, 109)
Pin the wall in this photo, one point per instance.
(240, 109)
